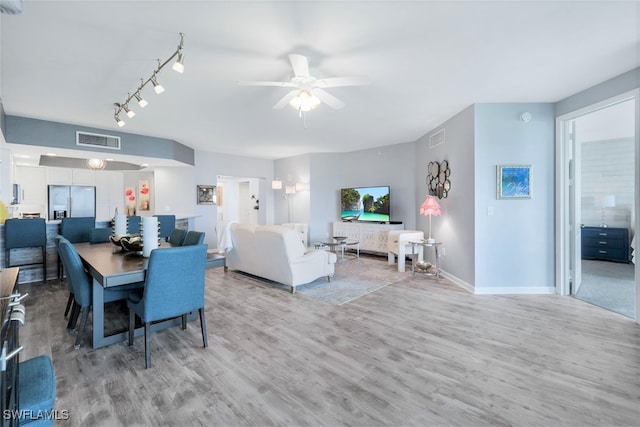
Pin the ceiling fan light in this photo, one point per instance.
(304, 101)
(141, 101)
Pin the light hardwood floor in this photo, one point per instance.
(417, 352)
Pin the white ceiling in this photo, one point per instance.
(69, 61)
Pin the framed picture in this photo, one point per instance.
(514, 181)
(206, 194)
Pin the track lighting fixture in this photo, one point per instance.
(157, 87)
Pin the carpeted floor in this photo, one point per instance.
(608, 285)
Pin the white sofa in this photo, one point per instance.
(276, 253)
(398, 244)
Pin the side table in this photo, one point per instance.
(424, 267)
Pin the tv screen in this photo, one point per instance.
(365, 204)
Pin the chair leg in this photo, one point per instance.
(132, 325)
(83, 323)
(203, 326)
(184, 321)
(69, 302)
(73, 317)
(147, 345)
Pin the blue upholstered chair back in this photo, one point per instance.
(25, 233)
(167, 225)
(99, 235)
(174, 283)
(133, 224)
(76, 274)
(177, 237)
(193, 238)
(59, 239)
(77, 230)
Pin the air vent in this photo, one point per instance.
(436, 139)
(87, 139)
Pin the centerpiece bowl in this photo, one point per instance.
(339, 238)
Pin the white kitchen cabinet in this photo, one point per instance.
(59, 176)
(83, 177)
(33, 184)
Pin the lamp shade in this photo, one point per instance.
(608, 201)
(276, 184)
(430, 206)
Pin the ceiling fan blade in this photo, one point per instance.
(329, 99)
(343, 81)
(285, 100)
(259, 83)
(300, 65)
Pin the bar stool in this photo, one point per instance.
(26, 233)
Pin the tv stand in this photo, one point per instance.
(372, 236)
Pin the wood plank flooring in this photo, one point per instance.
(417, 352)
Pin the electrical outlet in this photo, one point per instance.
(490, 211)
(443, 251)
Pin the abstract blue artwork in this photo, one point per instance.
(514, 181)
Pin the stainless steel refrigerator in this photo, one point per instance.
(71, 201)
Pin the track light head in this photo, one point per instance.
(126, 109)
(141, 101)
(119, 121)
(156, 86)
(179, 64)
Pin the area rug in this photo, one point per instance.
(353, 279)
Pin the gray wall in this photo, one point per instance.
(515, 245)
(22, 130)
(455, 227)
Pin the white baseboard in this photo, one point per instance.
(499, 290)
(515, 290)
(458, 281)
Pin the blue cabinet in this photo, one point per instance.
(605, 243)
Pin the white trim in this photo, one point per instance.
(515, 290)
(457, 281)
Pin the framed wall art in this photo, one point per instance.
(206, 194)
(514, 181)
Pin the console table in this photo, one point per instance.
(372, 237)
(605, 243)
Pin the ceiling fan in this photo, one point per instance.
(308, 92)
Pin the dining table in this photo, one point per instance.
(110, 266)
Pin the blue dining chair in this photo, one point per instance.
(193, 238)
(76, 230)
(57, 241)
(99, 235)
(167, 225)
(177, 237)
(133, 224)
(174, 286)
(81, 283)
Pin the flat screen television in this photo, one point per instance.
(365, 204)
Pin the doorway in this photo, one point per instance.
(598, 199)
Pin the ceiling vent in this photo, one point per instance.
(87, 139)
(436, 139)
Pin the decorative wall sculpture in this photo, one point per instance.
(438, 179)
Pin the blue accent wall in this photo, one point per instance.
(27, 131)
